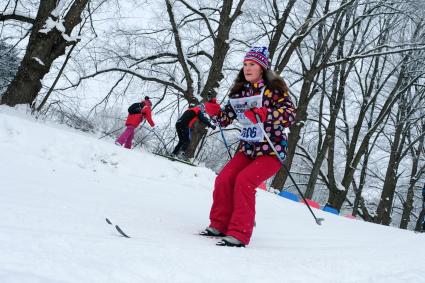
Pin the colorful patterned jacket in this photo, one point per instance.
(280, 115)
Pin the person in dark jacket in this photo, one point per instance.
(257, 92)
(184, 125)
(142, 111)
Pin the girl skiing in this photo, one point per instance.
(137, 112)
(256, 92)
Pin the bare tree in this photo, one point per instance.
(8, 64)
(50, 35)
(416, 173)
(401, 144)
(323, 48)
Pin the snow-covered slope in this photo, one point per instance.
(57, 186)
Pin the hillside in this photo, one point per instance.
(57, 185)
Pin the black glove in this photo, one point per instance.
(213, 127)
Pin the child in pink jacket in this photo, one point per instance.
(137, 112)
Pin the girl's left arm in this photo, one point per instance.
(281, 110)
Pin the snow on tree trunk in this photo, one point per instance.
(48, 40)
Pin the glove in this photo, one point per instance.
(261, 112)
(213, 109)
(213, 127)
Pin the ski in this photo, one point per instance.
(119, 230)
(175, 159)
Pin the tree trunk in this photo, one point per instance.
(407, 206)
(42, 50)
(363, 173)
(414, 176)
(421, 218)
(278, 33)
(197, 133)
(383, 212)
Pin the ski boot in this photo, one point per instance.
(230, 241)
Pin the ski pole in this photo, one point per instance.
(159, 137)
(107, 134)
(318, 220)
(200, 146)
(224, 139)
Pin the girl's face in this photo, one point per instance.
(252, 71)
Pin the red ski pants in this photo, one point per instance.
(126, 137)
(233, 208)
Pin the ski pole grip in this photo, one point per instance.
(257, 117)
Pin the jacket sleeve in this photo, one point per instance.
(226, 116)
(147, 114)
(281, 110)
(204, 119)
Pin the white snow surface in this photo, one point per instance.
(57, 185)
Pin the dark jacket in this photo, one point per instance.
(191, 115)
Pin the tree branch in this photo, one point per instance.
(16, 17)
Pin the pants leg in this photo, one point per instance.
(243, 216)
(129, 137)
(222, 206)
(124, 136)
(188, 138)
(184, 140)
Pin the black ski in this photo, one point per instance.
(119, 230)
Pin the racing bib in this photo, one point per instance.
(250, 132)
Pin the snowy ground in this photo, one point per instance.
(57, 186)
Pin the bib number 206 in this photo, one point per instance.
(249, 133)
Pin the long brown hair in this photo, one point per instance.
(271, 79)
